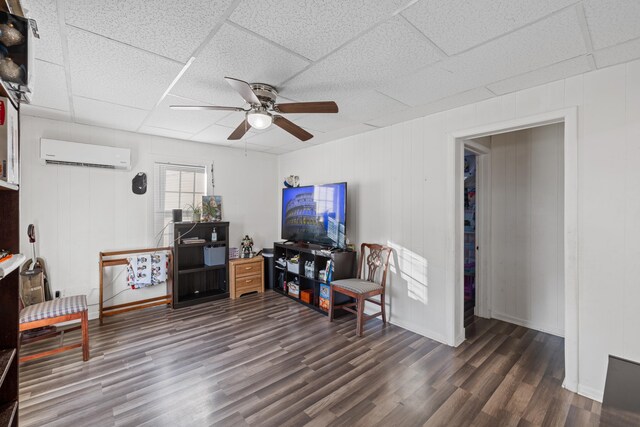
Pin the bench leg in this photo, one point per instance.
(85, 335)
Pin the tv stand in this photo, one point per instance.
(344, 267)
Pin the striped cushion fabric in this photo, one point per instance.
(54, 308)
(356, 285)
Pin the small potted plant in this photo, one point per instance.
(196, 212)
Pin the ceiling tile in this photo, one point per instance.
(235, 53)
(554, 72)
(457, 100)
(169, 28)
(312, 28)
(365, 105)
(110, 71)
(272, 138)
(323, 122)
(168, 133)
(192, 121)
(549, 41)
(458, 25)
(617, 54)
(48, 47)
(288, 148)
(388, 52)
(98, 113)
(214, 134)
(612, 21)
(45, 113)
(50, 89)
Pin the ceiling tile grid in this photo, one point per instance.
(390, 51)
(312, 28)
(165, 27)
(458, 25)
(554, 39)
(235, 53)
(123, 63)
(109, 71)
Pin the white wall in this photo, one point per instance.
(398, 180)
(79, 212)
(526, 254)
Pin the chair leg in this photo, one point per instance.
(330, 303)
(382, 309)
(360, 316)
(85, 335)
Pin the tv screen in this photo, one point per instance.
(315, 214)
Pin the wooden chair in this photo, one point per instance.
(52, 312)
(363, 289)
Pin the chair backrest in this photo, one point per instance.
(376, 258)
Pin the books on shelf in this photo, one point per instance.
(192, 240)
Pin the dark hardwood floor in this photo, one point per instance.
(265, 360)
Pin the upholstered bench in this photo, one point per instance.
(56, 311)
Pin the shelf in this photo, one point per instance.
(217, 243)
(4, 185)
(201, 268)
(7, 413)
(202, 296)
(298, 300)
(6, 357)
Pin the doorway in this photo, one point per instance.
(458, 140)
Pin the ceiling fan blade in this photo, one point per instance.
(244, 90)
(240, 130)
(204, 107)
(292, 128)
(307, 107)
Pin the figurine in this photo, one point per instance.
(292, 181)
(247, 246)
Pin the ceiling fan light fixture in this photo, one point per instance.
(259, 119)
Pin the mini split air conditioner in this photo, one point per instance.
(55, 152)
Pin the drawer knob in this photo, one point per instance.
(249, 281)
(248, 268)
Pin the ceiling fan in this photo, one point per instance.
(263, 111)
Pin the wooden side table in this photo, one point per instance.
(246, 275)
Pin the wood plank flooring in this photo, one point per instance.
(265, 360)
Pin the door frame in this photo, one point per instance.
(483, 226)
(455, 208)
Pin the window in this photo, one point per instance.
(178, 187)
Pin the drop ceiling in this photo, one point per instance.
(120, 64)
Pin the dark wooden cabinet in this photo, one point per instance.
(344, 267)
(9, 310)
(194, 279)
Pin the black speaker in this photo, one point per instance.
(269, 268)
(177, 215)
(139, 183)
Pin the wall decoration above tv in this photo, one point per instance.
(315, 214)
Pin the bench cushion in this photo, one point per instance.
(54, 308)
(357, 286)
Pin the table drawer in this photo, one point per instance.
(249, 283)
(248, 269)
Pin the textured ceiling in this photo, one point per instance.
(120, 64)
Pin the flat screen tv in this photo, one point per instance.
(315, 214)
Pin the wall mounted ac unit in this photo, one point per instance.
(55, 152)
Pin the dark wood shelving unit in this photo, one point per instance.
(344, 268)
(9, 308)
(194, 282)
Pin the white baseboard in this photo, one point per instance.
(527, 324)
(590, 392)
(424, 332)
